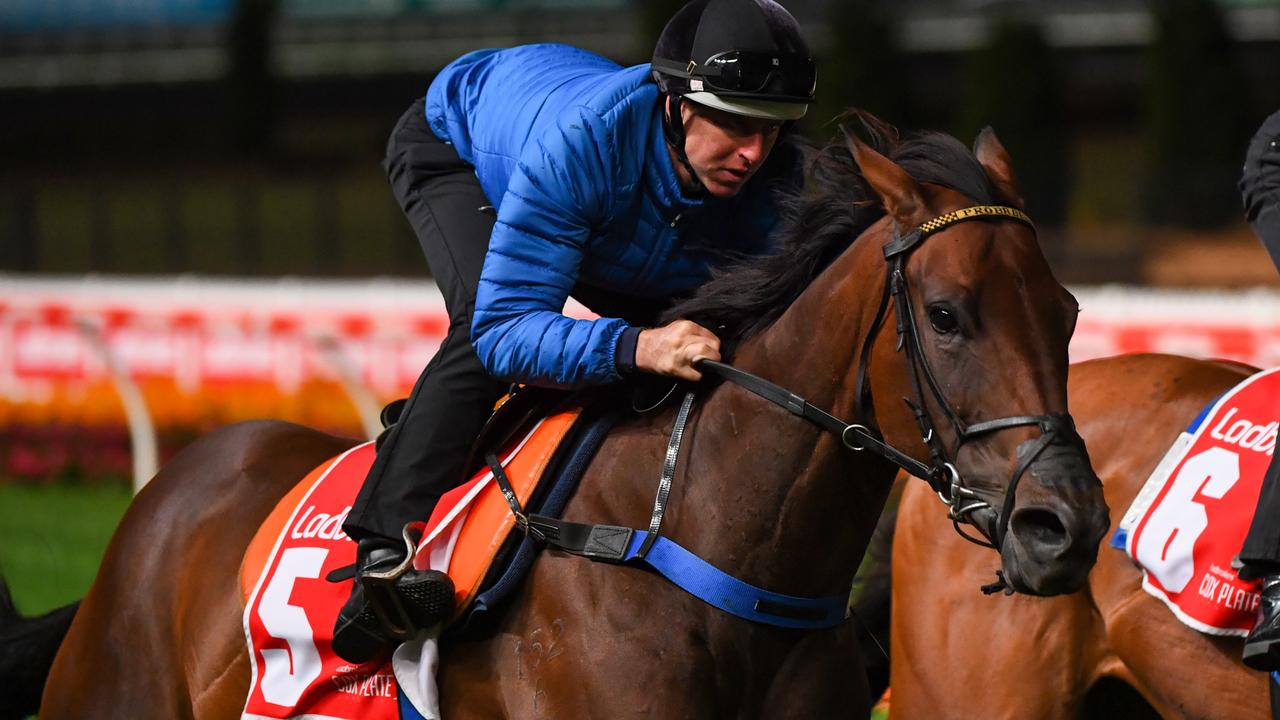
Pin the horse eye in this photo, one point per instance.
(943, 321)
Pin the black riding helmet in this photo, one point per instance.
(746, 57)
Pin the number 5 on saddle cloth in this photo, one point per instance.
(289, 604)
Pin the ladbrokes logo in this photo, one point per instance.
(1246, 433)
(320, 525)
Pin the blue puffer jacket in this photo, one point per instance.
(568, 147)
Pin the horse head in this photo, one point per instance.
(973, 383)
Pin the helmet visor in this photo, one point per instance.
(753, 73)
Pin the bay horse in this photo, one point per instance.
(1111, 650)
(763, 495)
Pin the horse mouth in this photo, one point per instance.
(1050, 551)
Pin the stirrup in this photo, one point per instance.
(380, 589)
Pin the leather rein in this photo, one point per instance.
(941, 473)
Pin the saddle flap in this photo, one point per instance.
(519, 409)
(473, 521)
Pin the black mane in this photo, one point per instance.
(819, 222)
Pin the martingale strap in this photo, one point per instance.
(668, 472)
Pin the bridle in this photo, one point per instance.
(941, 473)
(614, 544)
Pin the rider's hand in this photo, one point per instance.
(673, 349)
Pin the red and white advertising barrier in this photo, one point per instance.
(1242, 325)
(203, 338)
(201, 332)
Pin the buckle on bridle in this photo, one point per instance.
(947, 477)
(957, 492)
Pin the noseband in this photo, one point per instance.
(941, 474)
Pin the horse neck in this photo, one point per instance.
(771, 488)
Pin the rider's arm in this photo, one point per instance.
(562, 187)
(1260, 185)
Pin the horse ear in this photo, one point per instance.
(995, 160)
(898, 191)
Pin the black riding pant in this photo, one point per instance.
(423, 454)
(1262, 545)
(1260, 189)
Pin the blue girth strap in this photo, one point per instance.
(615, 544)
(722, 590)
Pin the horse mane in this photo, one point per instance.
(819, 222)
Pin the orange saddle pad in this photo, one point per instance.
(290, 607)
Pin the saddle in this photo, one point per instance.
(290, 603)
(486, 567)
(397, 603)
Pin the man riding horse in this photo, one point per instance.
(1260, 556)
(539, 172)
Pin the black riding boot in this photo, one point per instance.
(1262, 646)
(388, 604)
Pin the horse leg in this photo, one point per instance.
(159, 633)
(1171, 663)
(822, 677)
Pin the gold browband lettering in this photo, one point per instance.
(956, 216)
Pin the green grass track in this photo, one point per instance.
(52, 538)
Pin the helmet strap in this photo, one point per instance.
(673, 131)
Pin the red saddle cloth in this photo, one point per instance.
(1190, 518)
(290, 607)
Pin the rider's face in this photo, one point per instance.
(724, 149)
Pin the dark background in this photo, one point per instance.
(242, 137)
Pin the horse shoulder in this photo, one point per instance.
(575, 626)
(939, 612)
(1168, 662)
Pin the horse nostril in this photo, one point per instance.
(1039, 527)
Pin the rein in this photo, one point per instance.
(619, 544)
